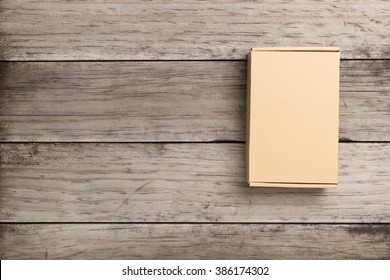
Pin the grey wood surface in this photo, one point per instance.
(180, 183)
(170, 77)
(187, 241)
(164, 101)
(139, 30)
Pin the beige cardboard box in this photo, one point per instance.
(293, 117)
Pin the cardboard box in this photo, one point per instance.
(293, 117)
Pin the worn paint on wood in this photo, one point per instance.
(179, 183)
(139, 30)
(164, 101)
(186, 241)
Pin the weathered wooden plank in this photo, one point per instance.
(179, 183)
(194, 241)
(164, 101)
(118, 29)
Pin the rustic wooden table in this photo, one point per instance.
(123, 131)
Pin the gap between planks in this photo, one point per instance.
(192, 223)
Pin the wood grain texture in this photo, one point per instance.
(179, 183)
(118, 29)
(179, 101)
(184, 241)
(164, 101)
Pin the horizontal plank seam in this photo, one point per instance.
(126, 142)
(139, 60)
(187, 223)
(168, 142)
(165, 60)
(362, 141)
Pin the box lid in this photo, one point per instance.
(293, 116)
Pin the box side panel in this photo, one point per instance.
(297, 49)
(248, 110)
(287, 185)
(337, 113)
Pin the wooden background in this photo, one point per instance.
(122, 129)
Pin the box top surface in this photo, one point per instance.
(297, 49)
(294, 102)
